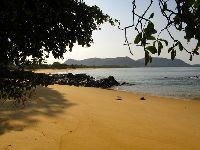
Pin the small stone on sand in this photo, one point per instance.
(118, 98)
(142, 98)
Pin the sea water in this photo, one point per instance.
(179, 82)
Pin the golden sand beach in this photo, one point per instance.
(79, 118)
(51, 70)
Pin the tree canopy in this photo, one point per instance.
(32, 29)
(184, 17)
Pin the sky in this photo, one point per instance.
(109, 41)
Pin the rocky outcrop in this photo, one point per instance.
(82, 80)
(127, 84)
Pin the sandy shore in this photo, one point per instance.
(78, 118)
(63, 70)
(52, 70)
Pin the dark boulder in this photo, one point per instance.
(108, 82)
(142, 98)
(126, 84)
(83, 80)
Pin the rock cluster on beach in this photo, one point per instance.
(82, 80)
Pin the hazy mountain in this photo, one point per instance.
(128, 62)
(196, 65)
(164, 62)
(119, 61)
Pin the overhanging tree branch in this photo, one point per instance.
(185, 18)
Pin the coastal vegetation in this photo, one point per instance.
(31, 30)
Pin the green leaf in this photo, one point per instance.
(170, 49)
(150, 28)
(147, 56)
(154, 31)
(150, 59)
(195, 52)
(151, 16)
(138, 38)
(150, 25)
(197, 46)
(151, 38)
(180, 46)
(160, 47)
(152, 49)
(154, 43)
(190, 58)
(177, 19)
(173, 54)
(165, 6)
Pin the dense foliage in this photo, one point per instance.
(32, 29)
(15, 84)
(184, 17)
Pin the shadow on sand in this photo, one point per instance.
(47, 102)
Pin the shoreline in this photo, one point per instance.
(47, 71)
(160, 96)
(70, 70)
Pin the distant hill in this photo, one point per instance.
(127, 62)
(119, 61)
(164, 62)
(196, 65)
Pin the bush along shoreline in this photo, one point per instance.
(17, 85)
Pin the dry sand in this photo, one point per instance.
(78, 118)
(68, 70)
(52, 70)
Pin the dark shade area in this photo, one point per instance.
(50, 104)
